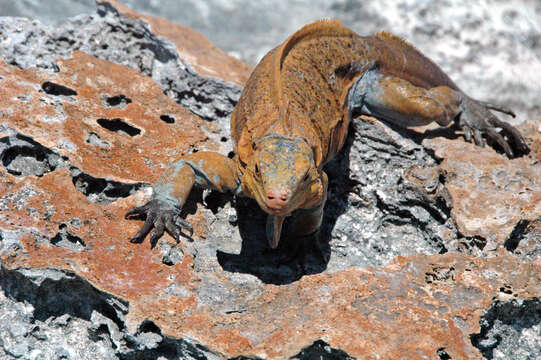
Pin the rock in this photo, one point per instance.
(128, 40)
(193, 48)
(510, 329)
(489, 193)
(433, 243)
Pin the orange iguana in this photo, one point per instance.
(293, 117)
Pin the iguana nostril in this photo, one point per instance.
(277, 198)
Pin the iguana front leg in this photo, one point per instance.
(400, 102)
(207, 170)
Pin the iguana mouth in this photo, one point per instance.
(277, 212)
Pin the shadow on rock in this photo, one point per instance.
(294, 257)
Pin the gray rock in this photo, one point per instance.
(379, 213)
(171, 255)
(54, 314)
(510, 330)
(10, 243)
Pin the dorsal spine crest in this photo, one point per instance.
(320, 28)
(384, 35)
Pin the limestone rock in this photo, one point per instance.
(433, 243)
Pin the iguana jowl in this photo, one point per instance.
(293, 116)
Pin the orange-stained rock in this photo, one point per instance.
(411, 308)
(490, 194)
(70, 124)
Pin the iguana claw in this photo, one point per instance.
(159, 217)
(475, 120)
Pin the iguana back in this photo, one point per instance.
(299, 88)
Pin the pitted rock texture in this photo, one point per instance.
(431, 240)
(128, 40)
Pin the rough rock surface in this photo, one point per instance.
(491, 48)
(434, 244)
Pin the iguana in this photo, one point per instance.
(293, 116)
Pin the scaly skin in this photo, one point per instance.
(293, 117)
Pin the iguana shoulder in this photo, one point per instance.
(317, 30)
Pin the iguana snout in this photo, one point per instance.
(277, 199)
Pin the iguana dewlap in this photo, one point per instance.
(293, 117)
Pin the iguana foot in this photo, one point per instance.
(475, 119)
(160, 217)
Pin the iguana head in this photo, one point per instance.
(282, 177)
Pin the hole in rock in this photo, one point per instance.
(24, 160)
(442, 354)
(511, 243)
(56, 89)
(69, 241)
(168, 119)
(117, 100)
(119, 126)
(147, 326)
(321, 350)
(100, 190)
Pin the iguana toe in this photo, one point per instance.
(160, 217)
(476, 120)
